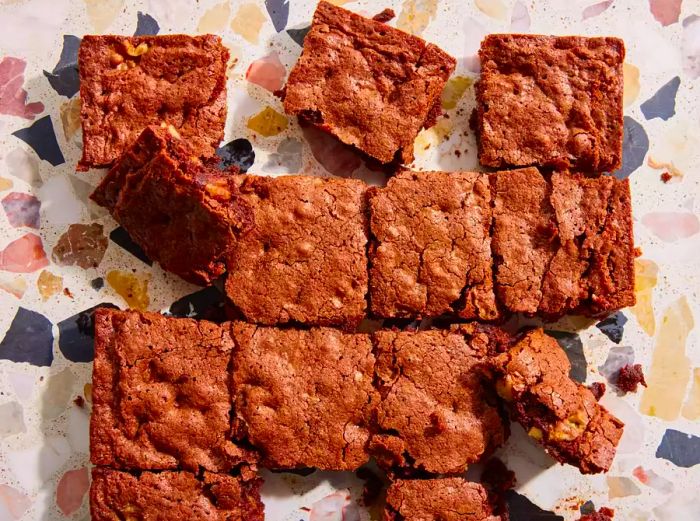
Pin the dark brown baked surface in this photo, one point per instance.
(304, 397)
(184, 213)
(562, 415)
(128, 83)
(161, 394)
(173, 496)
(550, 101)
(368, 84)
(435, 414)
(431, 249)
(305, 260)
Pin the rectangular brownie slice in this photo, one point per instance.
(161, 394)
(130, 82)
(303, 397)
(435, 414)
(173, 496)
(370, 85)
(431, 249)
(562, 243)
(561, 414)
(184, 213)
(550, 101)
(305, 260)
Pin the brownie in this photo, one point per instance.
(128, 83)
(550, 101)
(443, 499)
(431, 250)
(370, 85)
(561, 414)
(604, 514)
(184, 213)
(562, 243)
(173, 496)
(304, 398)
(305, 261)
(161, 394)
(435, 414)
(629, 377)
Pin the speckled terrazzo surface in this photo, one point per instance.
(61, 255)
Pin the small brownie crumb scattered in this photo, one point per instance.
(598, 390)
(383, 17)
(604, 514)
(666, 177)
(629, 377)
(79, 401)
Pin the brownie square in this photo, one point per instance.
(303, 397)
(550, 101)
(161, 394)
(128, 83)
(184, 213)
(305, 260)
(173, 496)
(561, 414)
(444, 499)
(562, 243)
(435, 414)
(370, 85)
(431, 249)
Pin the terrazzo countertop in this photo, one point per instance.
(60, 255)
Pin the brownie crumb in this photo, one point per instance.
(386, 15)
(666, 177)
(629, 377)
(67, 293)
(604, 514)
(79, 401)
(497, 477)
(598, 390)
(373, 485)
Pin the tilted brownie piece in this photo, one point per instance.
(306, 258)
(434, 415)
(161, 394)
(184, 213)
(444, 499)
(431, 250)
(128, 83)
(368, 84)
(173, 496)
(550, 101)
(562, 415)
(562, 243)
(303, 397)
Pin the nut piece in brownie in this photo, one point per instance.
(305, 260)
(161, 394)
(304, 398)
(128, 83)
(431, 250)
(184, 213)
(562, 415)
(434, 415)
(443, 499)
(368, 84)
(562, 243)
(550, 101)
(173, 496)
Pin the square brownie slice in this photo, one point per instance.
(173, 496)
(303, 398)
(550, 101)
(130, 82)
(161, 394)
(183, 212)
(431, 246)
(435, 414)
(305, 260)
(561, 414)
(370, 85)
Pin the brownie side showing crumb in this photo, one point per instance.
(128, 83)
(551, 101)
(173, 496)
(185, 214)
(161, 397)
(304, 398)
(431, 251)
(368, 84)
(305, 260)
(444, 499)
(435, 414)
(559, 413)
